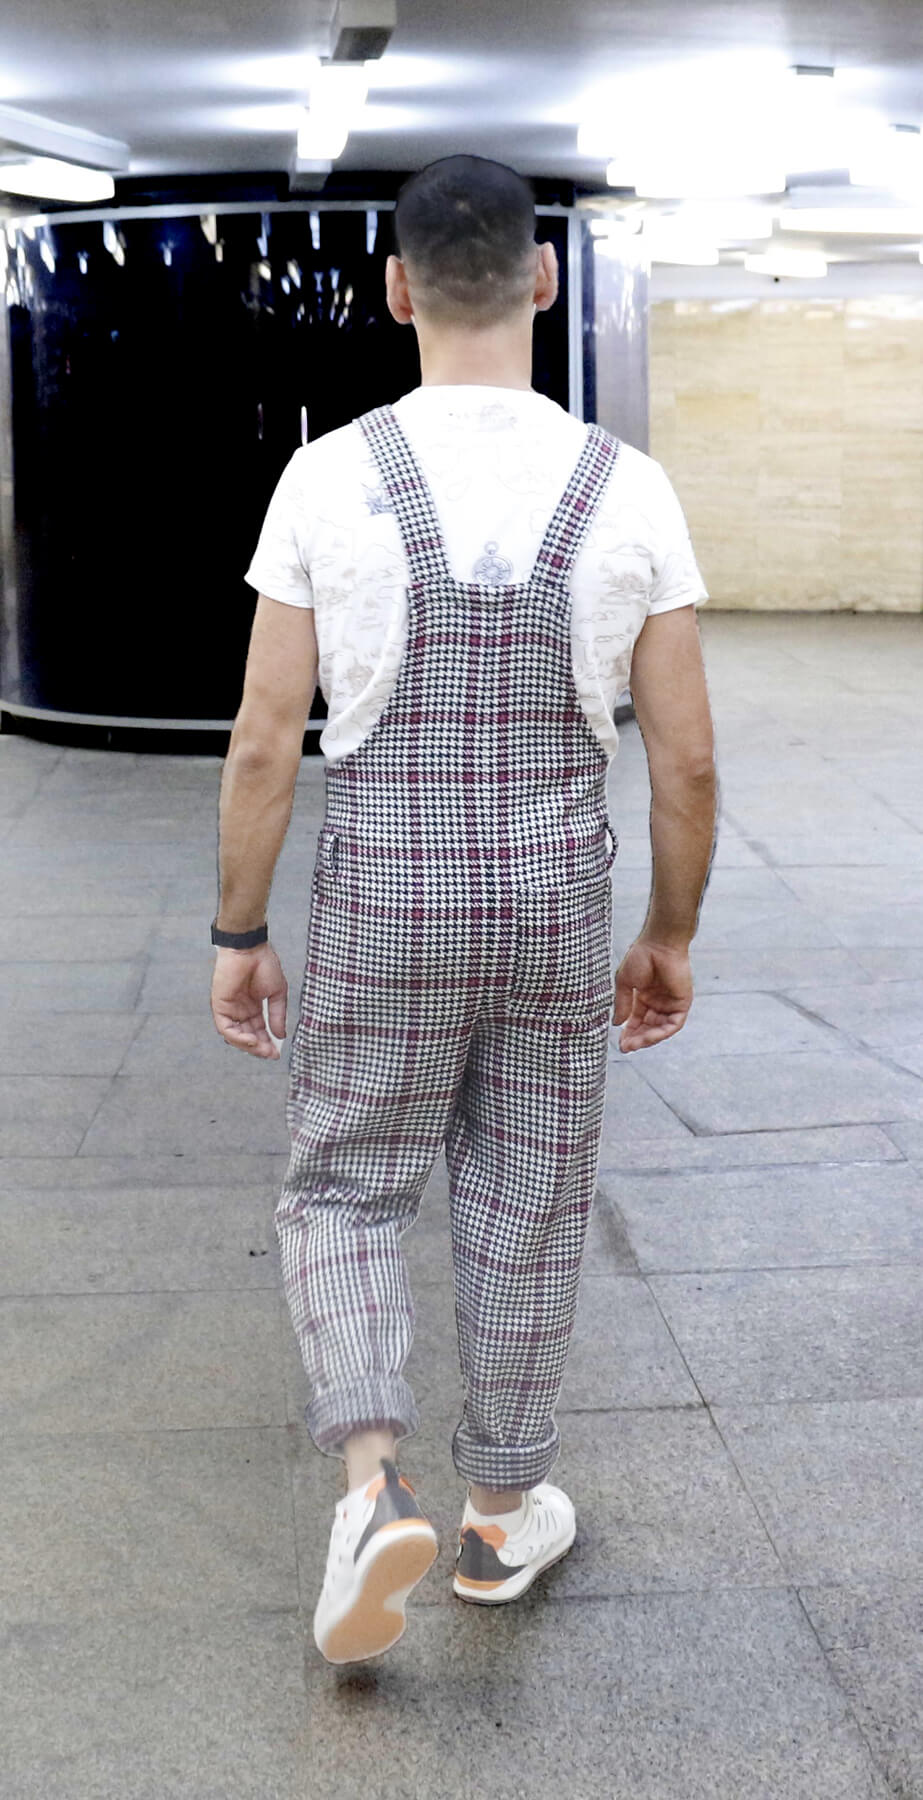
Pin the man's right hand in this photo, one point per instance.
(653, 994)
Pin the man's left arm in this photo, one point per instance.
(264, 754)
(254, 808)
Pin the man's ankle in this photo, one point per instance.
(363, 1452)
(494, 1500)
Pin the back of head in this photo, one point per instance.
(465, 227)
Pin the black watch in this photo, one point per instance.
(239, 940)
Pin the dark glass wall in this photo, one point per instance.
(162, 370)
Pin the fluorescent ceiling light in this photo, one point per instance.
(338, 95)
(45, 178)
(848, 221)
(668, 241)
(721, 174)
(721, 223)
(339, 88)
(718, 127)
(888, 157)
(661, 250)
(321, 138)
(787, 262)
(615, 224)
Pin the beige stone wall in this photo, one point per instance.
(792, 430)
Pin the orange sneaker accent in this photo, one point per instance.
(491, 1534)
(374, 1488)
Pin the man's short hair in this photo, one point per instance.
(466, 227)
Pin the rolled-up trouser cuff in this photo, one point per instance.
(380, 1403)
(504, 1465)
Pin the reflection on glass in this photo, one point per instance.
(161, 377)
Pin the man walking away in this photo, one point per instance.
(473, 575)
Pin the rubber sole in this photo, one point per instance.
(376, 1618)
(517, 1585)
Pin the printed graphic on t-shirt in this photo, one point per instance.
(494, 569)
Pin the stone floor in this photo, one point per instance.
(742, 1613)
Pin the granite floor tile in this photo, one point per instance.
(726, 922)
(908, 1137)
(783, 1217)
(828, 845)
(694, 1694)
(904, 963)
(238, 1103)
(842, 888)
(33, 1042)
(58, 938)
(173, 1169)
(162, 1045)
(47, 1115)
(62, 863)
(744, 1024)
(157, 1706)
(132, 1237)
(140, 1362)
(37, 896)
(875, 1012)
(174, 983)
(873, 1639)
(772, 1092)
(159, 818)
(839, 1485)
(633, 1112)
(75, 987)
(114, 1524)
(621, 1353)
(804, 1334)
(749, 1149)
(887, 927)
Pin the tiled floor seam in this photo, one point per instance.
(790, 1586)
(875, 1758)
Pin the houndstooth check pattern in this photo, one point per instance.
(458, 990)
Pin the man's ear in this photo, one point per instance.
(546, 278)
(397, 292)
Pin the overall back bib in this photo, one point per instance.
(458, 990)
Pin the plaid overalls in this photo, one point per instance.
(458, 990)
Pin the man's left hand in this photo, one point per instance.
(243, 979)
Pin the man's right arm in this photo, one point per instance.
(670, 698)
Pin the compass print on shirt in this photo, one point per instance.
(490, 567)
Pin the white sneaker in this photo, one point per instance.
(493, 1565)
(381, 1545)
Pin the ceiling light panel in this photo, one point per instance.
(45, 178)
(849, 221)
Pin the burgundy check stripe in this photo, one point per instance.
(457, 990)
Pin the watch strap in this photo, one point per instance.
(239, 940)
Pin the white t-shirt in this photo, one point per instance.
(497, 461)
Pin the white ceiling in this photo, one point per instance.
(218, 87)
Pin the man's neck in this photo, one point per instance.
(501, 358)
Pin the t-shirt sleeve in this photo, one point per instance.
(280, 564)
(677, 577)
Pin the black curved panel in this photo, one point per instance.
(159, 382)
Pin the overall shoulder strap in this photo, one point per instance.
(577, 505)
(407, 491)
